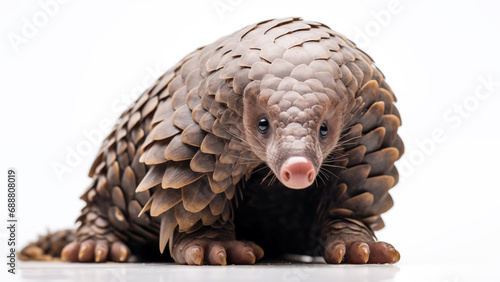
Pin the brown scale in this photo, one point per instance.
(170, 171)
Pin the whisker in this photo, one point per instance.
(347, 128)
(335, 154)
(334, 175)
(334, 159)
(264, 179)
(326, 175)
(259, 169)
(320, 178)
(248, 163)
(273, 179)
(324, 170)
(347, 141)
(243, 158)
(331, 165)
(243, 141)
(349, 144)
(330, 172)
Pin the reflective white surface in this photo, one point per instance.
(262, 272)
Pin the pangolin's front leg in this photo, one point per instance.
(197, 223)
(214, 246)
(350, 241)
(95, 241)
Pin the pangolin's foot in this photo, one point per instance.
(360, 252)
(218, 251)
(348, 242)
(95, 250)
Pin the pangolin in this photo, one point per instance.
(281, 137)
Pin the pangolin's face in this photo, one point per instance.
(293, 126)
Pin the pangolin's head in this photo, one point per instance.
(293, 120)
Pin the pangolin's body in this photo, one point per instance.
(283, 132)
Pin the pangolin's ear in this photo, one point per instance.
(253, 106)
(251, 92)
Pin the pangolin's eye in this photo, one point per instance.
(323, 130)
(263, 126)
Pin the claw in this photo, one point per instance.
(101, 251)
(335, 253)
(251, 255)
(381, 252)
(86, 253)
(338, 253)
(257, 250)
(83, 252)
(194, 255)
(70, 252)
(99, 256)
(358, 253)
(396, 256)
(119, 252)
(364, 252)
(221, 257)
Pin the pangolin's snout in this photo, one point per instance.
(297, 173)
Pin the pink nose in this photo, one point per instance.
(297, 173)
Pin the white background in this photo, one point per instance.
(67, 69)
